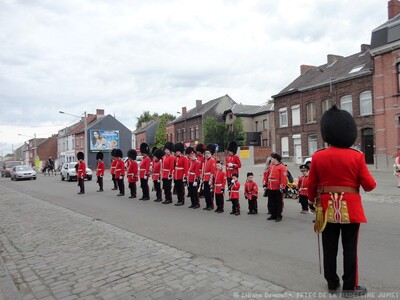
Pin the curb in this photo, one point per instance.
(8, 290)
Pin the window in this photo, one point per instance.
(325, 105)
(230, 116)
(265, 124)
(256, 126)
(296, 115)
(285, 146)
(283, 121)
(312, 144)
(366, 103)
(178, 135)
(191, 133)
(196, 132)
(398, 77)
(346, 103)
(310, 112)
(356, 69)
(183, 135)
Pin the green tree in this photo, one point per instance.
(238, 134)
(161, 132)
(144, 117)
(214, 131)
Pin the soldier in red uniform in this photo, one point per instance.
(168, 167)
(144, 171)
(303, 189)
(336, 175)
(200, 148)
(156, 173)
(100, 170)
(219, 187)
(275, 178)
(208, 174)
(132, 172)
(120, 172)
(81, 172)
(112, 169)
(193, 177)
(234, 195)
(181, 167)
(232, 162)
(251, 194)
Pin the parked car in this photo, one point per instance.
(22, 172)
(68, 171)
(8, 165)
(307, 161)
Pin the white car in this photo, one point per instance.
(22, 172)
(307, 161)
(68, 171)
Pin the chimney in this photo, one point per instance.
(305, 68)
(184, 110)
(393, 8)
(100, 112)
(365, 47)
(331, 58)
(199, 103)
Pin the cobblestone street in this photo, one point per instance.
(53, 253)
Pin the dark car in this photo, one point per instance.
(8, 165)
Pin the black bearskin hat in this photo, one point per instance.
(159, 153)
(189, 150)
(80, 155)
(338, 127)
(132, 154)
(113, 152)
(233, 146)
(179, 147)
(211, 148)
(118, 153)
(153, 150)
(99, 155)
(277, 156)
(144, 148)
(200, 148)
(169, 146)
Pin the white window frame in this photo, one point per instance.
(285, 146)
(366, 103)
(283, 117)
(311, 114)
(296, 115)
(265, 124)
(346, 103)
(312, 141)
(325, 105)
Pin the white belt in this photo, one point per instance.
(178, 168)
(218, 184)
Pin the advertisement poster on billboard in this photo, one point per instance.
(103, 140)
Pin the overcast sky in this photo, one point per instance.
(128, 56)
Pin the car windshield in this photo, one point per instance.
(72, 165)
(23, 168)
(12, 164)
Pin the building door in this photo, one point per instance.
(297, 151)
(368, 145)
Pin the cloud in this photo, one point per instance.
(130, 56)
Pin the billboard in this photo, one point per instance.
(103, 140)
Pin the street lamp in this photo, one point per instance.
(34, 145)
(86, 137)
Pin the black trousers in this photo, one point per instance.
(229, 183)
(114, 180)
(121, 186)
(132, 187)
(157, 187)
(81, 184)
(180, 190)
(304, 202)
(219, 201)
(193, 194)
(275, 203)
(253, 205)
(167, 183)
(330, 242)
(100, 182)
(144, 184)
(208, 195)
(235, 205)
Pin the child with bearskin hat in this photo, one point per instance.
(132, 172)
(193, 177)
(168, 167)
(156, 173)
(100, 170)
(120, 172)
(81, 172)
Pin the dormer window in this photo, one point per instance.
(356, 69)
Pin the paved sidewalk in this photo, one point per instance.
(54, 253)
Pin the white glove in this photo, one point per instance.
(195, 183)
(230, 165)
(232, 181)
(145, 176)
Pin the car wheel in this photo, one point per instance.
(11, 178)
(34, 178)
(68, 178)
(62, 178)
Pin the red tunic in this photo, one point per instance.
(81, 170)
(119, 169)
(250, 189)
(144, 167)
(168, 166)
(234, 194)
(100, 169)
(232, 163)
(303, 185)
(181, 167)
(132, 171)
(156, 175)
(113, 164)
(202, 160)
(341, 167)
(275, 177)
(193, 170)
(219, 182)
(209, 169)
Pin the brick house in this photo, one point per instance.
(344, 81)
(385, 51)
(146, 133)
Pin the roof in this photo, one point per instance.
(148, 126)
(250, 110)
(385, 34)
(342, 69)
(81, 125)
(215, 107)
